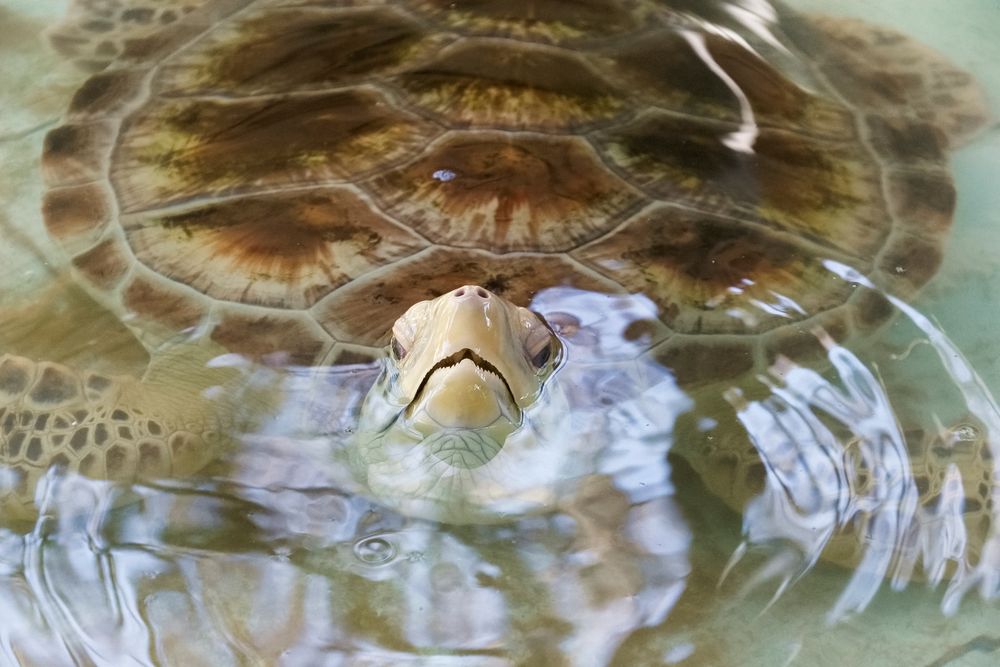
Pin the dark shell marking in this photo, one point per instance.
(507, 192)
(229, 249)
(282, 167)
(176, 151)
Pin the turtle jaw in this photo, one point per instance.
(464, 412)
(464, 391)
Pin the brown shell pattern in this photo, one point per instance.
(300, 172)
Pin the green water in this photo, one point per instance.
(968, 283)
(288, 570)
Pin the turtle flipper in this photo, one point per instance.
(891, 74)
(95, 32)
(842, 478)
(118, 428)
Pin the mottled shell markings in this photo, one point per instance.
(282, 50)
(821, 191)
(546, 21)
(506, 193)
(481, 83)
(268, 166)
(284, 250)
(182, 150)
(686, 261)
(668, 72)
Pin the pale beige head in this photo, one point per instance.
(470, 359)
(449, 432)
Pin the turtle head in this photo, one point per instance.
(444, 432)
(470, 361)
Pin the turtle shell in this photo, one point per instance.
(293, 174)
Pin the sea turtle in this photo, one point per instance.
(285, 179)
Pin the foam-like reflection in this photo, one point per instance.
(586, 475)
(985, 574)
(818, 485)
(841, 478)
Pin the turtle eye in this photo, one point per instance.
(540, 343)
(397, 348)
(542, 356)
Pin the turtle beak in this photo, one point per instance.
(465, 391)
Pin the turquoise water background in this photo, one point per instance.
(965, 296)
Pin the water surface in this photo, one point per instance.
(270, 558)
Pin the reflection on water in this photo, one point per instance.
(201, 417)
(587, 489)
(818, 486)
(282, 553)
(981, 403)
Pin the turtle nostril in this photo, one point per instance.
(471, 292)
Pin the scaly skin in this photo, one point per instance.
(171, 422)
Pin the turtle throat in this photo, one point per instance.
(464, 391)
